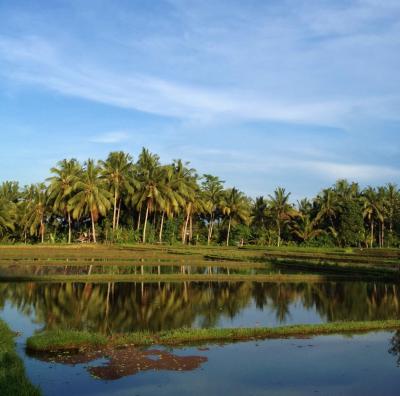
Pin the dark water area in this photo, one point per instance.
(125, 307)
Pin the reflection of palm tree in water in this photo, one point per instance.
(119, 307)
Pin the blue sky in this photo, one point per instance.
(262, 93)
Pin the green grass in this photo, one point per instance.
(381, 264)
(59, 340)
(153, 278)
(13, 380)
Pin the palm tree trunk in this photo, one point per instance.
(383, 234)
(210, 228)
(42, 230)
(161, 227)
(279, 233)
(145, 223)
(191, 229)
(69, 228)
(93, 227)
(185, 229)
(139, 217)
(118, 214)
(372, 233)
(229, 231)
(115, 210)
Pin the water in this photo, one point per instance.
(126, 307)
(363, 364)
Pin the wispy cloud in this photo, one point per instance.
(110, 137)
(241, 88)
(39, 61)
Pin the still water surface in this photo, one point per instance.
(330, 365)
(126, 307)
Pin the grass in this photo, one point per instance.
(64, 340)
(13, 380)
(381, 264)
(153, 278)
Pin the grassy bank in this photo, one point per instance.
(74, 340)
(153, 278)
(380, 264)
(13, 380)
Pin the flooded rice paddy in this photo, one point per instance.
(364, 364)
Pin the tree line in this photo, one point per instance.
(120, 200)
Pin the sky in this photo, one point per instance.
(261, 93)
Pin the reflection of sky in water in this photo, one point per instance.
(253, 316)
(330, 365)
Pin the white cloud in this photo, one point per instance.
(110, 137)
(36, 61)
(355, 172)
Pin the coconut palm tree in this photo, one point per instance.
(36, 210)
(8, 216)
(306, 228)
(236, 207)
(152, 180)
(60, 190)
(372, 209)
(212, 188)
(116, 169)
(184, 187)
(90, 195)
(393, 204)
(281, 209)
(9, 197)
(327, 205)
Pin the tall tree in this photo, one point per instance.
(90, 196)
(372, 210)
(116, 169)
(36, 196)
(8, 216)
(236, 207)
(66, 174)
(212, 188)
(281, 209)
(152, 180)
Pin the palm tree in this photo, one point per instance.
(281, 209)
(36, 210)
(393, 203)
(90, 196)
(8, 216)
(371, 209)
(61, 188)
(212, 188)
(152, 180)
(327, 204)
(305, 228)
(116, 169)
(184, 187)
(235, 206)
(258, 212)
(9, 197)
